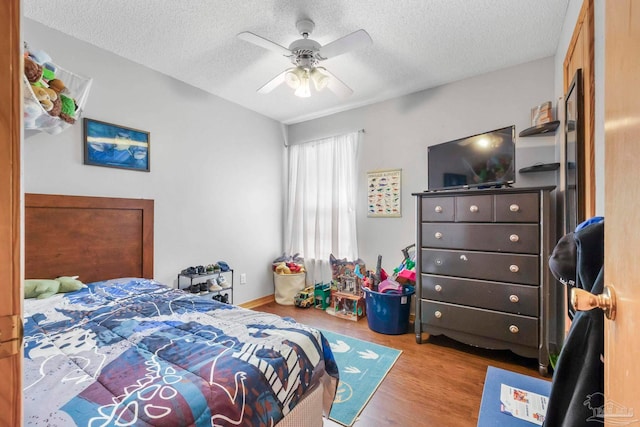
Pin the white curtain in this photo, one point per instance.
(321, 203)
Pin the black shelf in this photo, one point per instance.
(208, 294)
(542, 167)
(541, 130)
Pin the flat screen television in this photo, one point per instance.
(483, 160)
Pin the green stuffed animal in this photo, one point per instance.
(44, 288)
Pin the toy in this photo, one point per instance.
(322, 295)
(44, 288)
(57, 85)
(68, 110)
(47, 88)
(288, 268)
(347, 306)
(390, 286)
(32, 70)
(43, 96)
(347, 275)
(304, 298)
(39, 56)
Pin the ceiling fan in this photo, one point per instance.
(305, 54)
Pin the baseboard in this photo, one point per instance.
(258, 302)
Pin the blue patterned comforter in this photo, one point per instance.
(132, 352)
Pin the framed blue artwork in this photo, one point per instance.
(115, 146)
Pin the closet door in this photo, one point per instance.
(10, 195)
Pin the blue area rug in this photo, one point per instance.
(490, 414)
(363, 366)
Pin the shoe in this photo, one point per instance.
(209, 268)
(189, 271)
(225, 299)
(195, 288)
(223, 266)
(223, 282)
(204, 288)
(213, 286)
(200, 269)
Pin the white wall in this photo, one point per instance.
(398, 132)
(216, 168)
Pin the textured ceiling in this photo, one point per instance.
(417, 44)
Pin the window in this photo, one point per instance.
(321, 203)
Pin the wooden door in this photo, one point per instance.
(622, 209)
(580, 55)
(10, 196)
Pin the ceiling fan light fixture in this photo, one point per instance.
(303, 91)
(320, 79)
(293, 77)
(305, 55)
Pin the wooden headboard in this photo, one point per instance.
(96, 238)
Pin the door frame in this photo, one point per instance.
(10, 208)
(587, 153)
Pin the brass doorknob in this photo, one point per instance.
(582, 300)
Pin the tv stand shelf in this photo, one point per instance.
(541, 167)
(540, 130)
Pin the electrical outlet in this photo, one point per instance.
(243, 278)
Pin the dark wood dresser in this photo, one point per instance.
(482, 272)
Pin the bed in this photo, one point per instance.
(127, 350)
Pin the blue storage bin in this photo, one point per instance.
(388, 313)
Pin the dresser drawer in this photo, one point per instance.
(516, 238)
(519, 299)
(512, 268)
(474, 208)
(438, 208)
(512, 328)
(523, 207)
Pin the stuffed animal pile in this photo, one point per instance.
(47, 87)
(288, 268)
(288, 264)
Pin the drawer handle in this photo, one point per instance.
(514, 298)
(438, 288)
(438, 261)
(438, 235)
(514, 238)
(514, 268)
(514, 208)
(438, 209)
(514, 329)
(437, 314)
(473, 208)
(463, 258)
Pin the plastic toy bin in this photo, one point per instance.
(388, 313)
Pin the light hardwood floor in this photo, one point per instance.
(437, 383)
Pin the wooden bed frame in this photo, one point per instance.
(95, 238)
(101, 238)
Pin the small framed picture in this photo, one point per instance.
(115, 146)
(383, 193)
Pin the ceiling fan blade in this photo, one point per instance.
(352, 41)
(273, 83)
(264, 43)
(337, 86)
